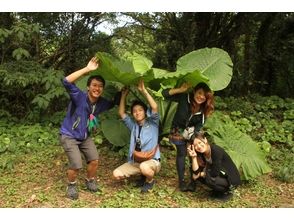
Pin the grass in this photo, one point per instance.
(39, 180)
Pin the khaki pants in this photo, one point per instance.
(130, 169)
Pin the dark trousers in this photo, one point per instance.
(219, 183)
(180, 161)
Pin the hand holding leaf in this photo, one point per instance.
(141, 86)
(185, 86)
(125, 91)
(93, 64)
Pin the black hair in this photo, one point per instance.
(203, 86)
(97, 77)
(199, 135)
(208, 106)
(138, 102)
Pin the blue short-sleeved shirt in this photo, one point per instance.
(148, 135)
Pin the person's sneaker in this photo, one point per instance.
(191, 186)
(72, 191)
(221, 196)
(140, 182)
(147, 186)
(92, 185)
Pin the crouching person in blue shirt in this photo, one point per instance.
(82, 119)
(143, 140)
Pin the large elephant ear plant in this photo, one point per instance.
(245, 152)
(210, 65)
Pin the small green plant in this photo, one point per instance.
(18, 139)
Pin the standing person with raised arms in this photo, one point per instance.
(80, 121)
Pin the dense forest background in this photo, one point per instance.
(38, 49)
(261, 46)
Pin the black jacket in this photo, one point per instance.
(221, 161)
(183, 111)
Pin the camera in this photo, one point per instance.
(138, 144)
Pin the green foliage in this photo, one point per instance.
(269, 121)
(33, 89)
(123, 71)
(210, 65)
(263, 118)
(4, 33)
(246, 154)
(167, 111)
(17, 40)
(115, 132)
(213, 63)
(19, 53)
(16, 139)
(283, 164)
(286, 172)
(289, 114)
(265, 146)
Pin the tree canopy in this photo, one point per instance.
(260, 44)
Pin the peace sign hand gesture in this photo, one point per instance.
(191, 151)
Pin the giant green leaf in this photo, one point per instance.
(140, 63)
(126, 71)
(245, 153)
(113, 69)
(163, 78)
(212, 63)
(115, 132)
(167, 111)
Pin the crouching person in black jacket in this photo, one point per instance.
(212, 166)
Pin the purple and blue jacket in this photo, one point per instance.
(75, 122)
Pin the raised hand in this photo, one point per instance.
(141, 86)
(191, 151)
(144, 91)
(125, 91)
(185, 86)
(93, 64)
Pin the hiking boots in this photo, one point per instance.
(191, 186)
(140, 182)
(72, 191)
(92, 185)
(185, 188)
(222, 196)
(182, 186)
(147, 186)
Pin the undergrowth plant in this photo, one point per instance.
(18, 139)
(268, 120)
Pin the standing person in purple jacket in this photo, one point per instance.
(80, 121)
